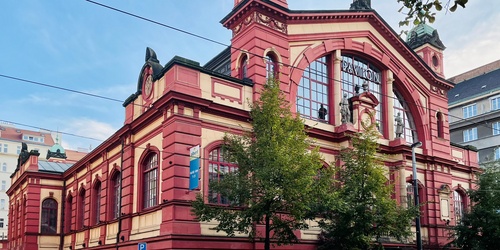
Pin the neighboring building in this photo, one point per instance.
(10, 148)
(136, 188)
(474, 106)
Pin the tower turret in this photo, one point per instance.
(424, 40)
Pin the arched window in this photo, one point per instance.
(355, 73)
(410, 198)
(68, 210)
(243, 67)
(458, 204)
(150, 181)
(96, 201)
(271, 66)
(217, 167)
(312, 93)
(401, 109)
(440, 124)
(115, 195)
(80, 218)
(49, 216)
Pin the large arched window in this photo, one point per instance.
(217, 168)
(67, 214)
(115, 195)
(312, 93)
(401, 109)
(80, 218)
(150, 181)
(49, 217)
(355, 73)
(96, 201)
(458, 205)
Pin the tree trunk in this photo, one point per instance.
(267, 242)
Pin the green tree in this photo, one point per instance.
(279, 180)
(366, 210)
(418, 11)
(480, 227)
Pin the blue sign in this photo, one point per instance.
(194, 167)
(142, 246)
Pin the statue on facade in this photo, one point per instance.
(24, 155)
(399, 125)
(344, 109)
(322, 112)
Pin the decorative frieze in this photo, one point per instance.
(260, 19)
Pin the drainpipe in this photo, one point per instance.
(63, 215)
(120, 200)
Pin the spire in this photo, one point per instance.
(361, 5)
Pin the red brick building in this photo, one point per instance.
(134, 188)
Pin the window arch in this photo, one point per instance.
(150, 181)
(313, 91)
(401, 108)
(217, 167)
(243, 67)
(115, 195)
(271, 65)
(440, 125)
(96, 203)
(49, 216)
(68, 210)
(458, 205)
(80, 218)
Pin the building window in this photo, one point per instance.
(470, 134)
(271, 66)
(243, 67)
(49, 216)
(497, 154)
(69, 210)
(440, 125)
(401, 109)
(81, 210)
(97, 203)
(115, 195)
(312, 93)
(2, 204)
(458, 204)
(4, 167)
(150, 181)
(18, 150)
(410, 198)
(1, 225)
(469, 111)
(4, 185)
(217, 167)
(355, 73)
(5, 148)
(495, 103)
(496, 128)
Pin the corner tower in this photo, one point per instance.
(259, 46)
(424, 40)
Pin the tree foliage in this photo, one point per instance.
(279, 179)
(480, 227)
(366, 211)
(418, 11)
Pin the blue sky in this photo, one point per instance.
(82, 46)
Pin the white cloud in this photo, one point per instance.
(86, 127)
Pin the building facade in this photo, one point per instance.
(474, 106)
(10, 148)
(136, 188)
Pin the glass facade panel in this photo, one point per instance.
(401, 108)
(312, 93)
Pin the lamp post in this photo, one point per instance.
(415, 193)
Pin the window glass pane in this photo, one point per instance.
(312, 96)
(217, 167)
(150, 181)
(49, 216)
(409, 132)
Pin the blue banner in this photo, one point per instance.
(194, 167)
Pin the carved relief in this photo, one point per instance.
(261, 19)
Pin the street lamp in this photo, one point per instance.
(415, 193)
